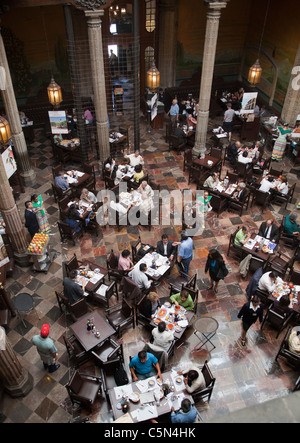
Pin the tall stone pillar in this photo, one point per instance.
(17, 381)
(98, 78)
(167, 43)
(210, 45)
(11, 217)
(291, 108)
(11, 109)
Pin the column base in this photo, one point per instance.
(29, 178)
(22, 260)
(21, 389)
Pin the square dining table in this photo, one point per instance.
(87, 339)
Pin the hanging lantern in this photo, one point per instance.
(5, 134)
(153, 78)
(54, 93)
(255, 73)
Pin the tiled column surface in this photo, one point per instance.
(290, 109)
(97, 64)
(11, 109)
(211, 36)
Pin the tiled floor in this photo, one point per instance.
(244, 376)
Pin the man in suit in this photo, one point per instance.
(179, 132)
(269, 230)
(165, 247)
(31, 222)
(240, 192)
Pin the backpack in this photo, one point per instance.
(121, 376)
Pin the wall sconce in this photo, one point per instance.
(54, 93)
(5, 134)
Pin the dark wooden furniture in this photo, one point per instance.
(83, 388)
(278, 319)
(120, 316)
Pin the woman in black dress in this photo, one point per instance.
(216, 267)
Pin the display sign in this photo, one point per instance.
(9, 162)
(58, 122)
(248, 102)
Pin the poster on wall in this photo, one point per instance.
(58, 122)
(3, 253)
(9, 162)
(248, 102)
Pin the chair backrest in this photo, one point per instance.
(275, 172)
(241, 169)
(112, 260)
(88, 169)
(126, 309)
(56, 170)
(75, 382)
(294, 277)
(216, 152)
(188, 155)
(233, 178)
(260, 196)
(79, 308)
(63, 202)
(72, 264)
(208, 377)
(65, 229)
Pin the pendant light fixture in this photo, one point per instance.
(5, 134)
(54, 90)
(255, 71)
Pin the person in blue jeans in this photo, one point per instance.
(141, 366)
(185, 253)
(187, 413)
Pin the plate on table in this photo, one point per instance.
(167, 304)
(157, 320)
(178, 380)
(97, 270)
(177, 308)
(162, 312)
(170, 326)
(134, 397)
(177, 328)
(89, 209)
(151, 383)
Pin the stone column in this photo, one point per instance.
(17, 381)
(210, 45)
(98, 78)
(167, 43)
(11, 217)
(26, 171)
(291, 108)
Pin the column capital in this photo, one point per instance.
(216, 4)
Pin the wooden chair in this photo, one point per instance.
(63, 207)
(120, 316)
(286, 239)
(169, 131)
(75, 351)
(106, 351)
(112, 267)
(193, 293)
(226, 158)
(105, 292)
(175, 144)
(233, 177)
(91, 183)
(240, 205)
(72, 264)
(241, 169)
(108, 371)
(83, 388)
(188, 159)
(275, 172)
(63, 156)
(294, 277)
(278, 197)
(124, 131)
(176, 285)
(261, 198)
(279, 263)
(279, 320)
(62, 301)
(292, 359)
(216, 152)
(238, 251)
(259, 169)
(210, 380)
(218, 203)
(140, 318)
(136, 247)
(56, 170)
(67, 233)
(78, 309)
(58, 193)
(194, 175)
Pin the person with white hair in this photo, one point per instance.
(240, 192)
(174, 112)
(144, 188)
(88, 197)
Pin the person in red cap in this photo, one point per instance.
(46, 348)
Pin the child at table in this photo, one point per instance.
(139, 173)
(183, 299)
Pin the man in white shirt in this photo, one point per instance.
(268, 281)
(135, 158)
(243, 158)
(139, 277)
(212, 181)
(88, 197)
(266, 185)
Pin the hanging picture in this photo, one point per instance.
(248, 102)
(9, 162)
(58, 122)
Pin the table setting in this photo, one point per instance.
(283, 288)
(85, 275)
(157, 264)
(173, 316)
(72, 176)
(261, 243)
(131, 198)
(114, 136)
